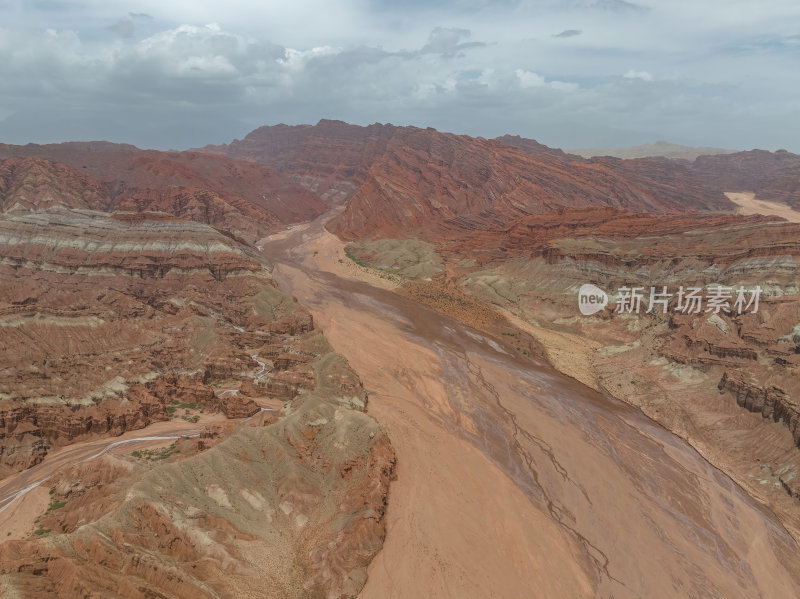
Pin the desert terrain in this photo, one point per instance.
(333, 361)
(483, 431)
(748, 204)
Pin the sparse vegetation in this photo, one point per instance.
(154, 455)
(55, 504)
(397, 259)
(188, 408)
(356, 260)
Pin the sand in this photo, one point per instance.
(569, 353)
(748, 204)
(516, 481)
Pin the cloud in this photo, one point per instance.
(124, 29)
(184, 73)
(616, 5)
(447, 41)
(528, 79)
(643, 75)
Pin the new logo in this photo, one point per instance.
(591, 299)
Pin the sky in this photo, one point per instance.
(569, 73)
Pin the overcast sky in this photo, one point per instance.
(569, 73)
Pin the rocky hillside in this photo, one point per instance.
(109, 323)
(435, 183)
(240, 197)
(538, 234)
(103, 320)
(33, 184)
(727, 382)
(279, 509)
(771, 176)
(331, 157)
(404, 178)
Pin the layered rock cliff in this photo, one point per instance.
(104, 321)
(245, 199)
(437, 184)
(109, 323)
(405, 178)
(292, 506)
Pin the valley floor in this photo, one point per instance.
(748, 204)
(514, 479)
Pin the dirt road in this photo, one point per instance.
(516, 481)
(15, 487)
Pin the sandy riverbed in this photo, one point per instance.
(515, 480)
(748, 204)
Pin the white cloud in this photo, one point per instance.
(528, 79)
(643, 75)
(717, 73)
(297, 59)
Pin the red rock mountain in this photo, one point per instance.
(743, 171)
(440, 182)
(771, 176)
(100, 316)
(331, 157)
(531, 146)
(32, 184)
(109, 323)
(246, 199)
(403, 177)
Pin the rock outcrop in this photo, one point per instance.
(405, 178)
(771, 176)
(291, 508)
(106, 321)
(243, 198)
(771, 401)
(431, 185)
(109, 323)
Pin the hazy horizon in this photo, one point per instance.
(578, 74)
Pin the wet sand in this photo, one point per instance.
(516, 481)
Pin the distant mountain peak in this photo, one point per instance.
(660, 148)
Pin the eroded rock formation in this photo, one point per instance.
(109, 323)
